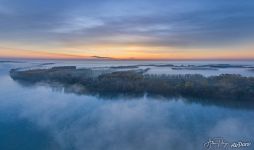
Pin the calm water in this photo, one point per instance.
(42, 118)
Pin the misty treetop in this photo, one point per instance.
(225, 86)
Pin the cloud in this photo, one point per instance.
(77, 25)
(164, 23)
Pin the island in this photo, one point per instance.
(230, 87)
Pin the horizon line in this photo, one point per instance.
(128, 59)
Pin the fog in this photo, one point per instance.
(41, 118)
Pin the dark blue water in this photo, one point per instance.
(46, 118)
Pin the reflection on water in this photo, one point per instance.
(79, 90)
(37, 118)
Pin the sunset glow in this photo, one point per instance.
(127, 30)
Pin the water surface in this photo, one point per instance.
(43, 118)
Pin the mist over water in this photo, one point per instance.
(40, 117)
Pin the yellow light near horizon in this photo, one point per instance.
(129, 52)
(156, 52)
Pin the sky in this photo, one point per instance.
(127, 29)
